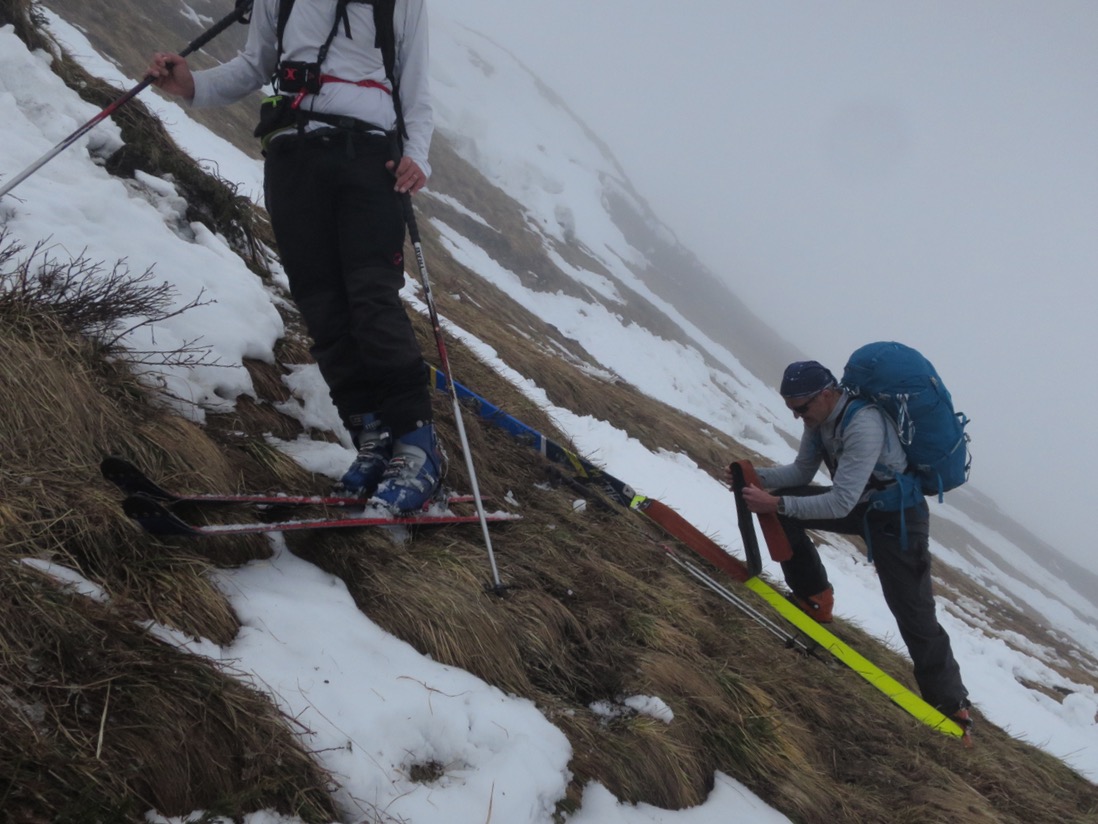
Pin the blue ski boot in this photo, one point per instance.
(414, 473)
(375, 447)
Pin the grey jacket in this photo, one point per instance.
(351, 59)
(868, 446)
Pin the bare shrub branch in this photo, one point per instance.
(86, 298)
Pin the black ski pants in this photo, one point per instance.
(340, 232)
(905, 576)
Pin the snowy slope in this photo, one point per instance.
(75, 204)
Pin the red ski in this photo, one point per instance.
(156, 518)
(133, 481)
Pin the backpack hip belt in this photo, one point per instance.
(299, 79)
(365, 84)
(331, 78)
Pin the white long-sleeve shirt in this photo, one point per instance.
(353, 59)
(868, 446)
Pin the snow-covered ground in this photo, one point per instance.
(374, 705)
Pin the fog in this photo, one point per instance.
(924, 172)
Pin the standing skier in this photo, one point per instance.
(333, 190)
(863, 458)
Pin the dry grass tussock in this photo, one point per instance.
(104, 720)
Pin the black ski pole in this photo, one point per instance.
(239, 13)
(440, 342)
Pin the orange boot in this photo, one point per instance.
(818, 606)
(963, 717)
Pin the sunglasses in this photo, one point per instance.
(800, 410)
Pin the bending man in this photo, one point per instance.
(862, 450)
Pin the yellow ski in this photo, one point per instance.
(678, 527)
(897, 692)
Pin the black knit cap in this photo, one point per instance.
(806, 378)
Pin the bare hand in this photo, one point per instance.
(409, 177)
(171, 74)
(759, 500)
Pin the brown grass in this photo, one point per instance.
(116, 719)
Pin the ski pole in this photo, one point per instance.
(790, 640)
(413, 232)
(239, 13)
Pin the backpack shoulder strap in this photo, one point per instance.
(284, 9)
(385, 34)
(385, 39)
(850, 406)
(848, 412)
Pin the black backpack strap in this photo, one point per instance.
(385, 39)
(340, 17)
(284, 9)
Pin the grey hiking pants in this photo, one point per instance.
(905, 582)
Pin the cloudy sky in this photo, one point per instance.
(859, 171)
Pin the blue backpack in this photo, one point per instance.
(907, 388)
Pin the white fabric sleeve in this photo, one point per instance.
(249, 70)
(863, 441)
(801, 471)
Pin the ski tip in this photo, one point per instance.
(154, 517)
(113, 465)
(131, 480)
(142, 506)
